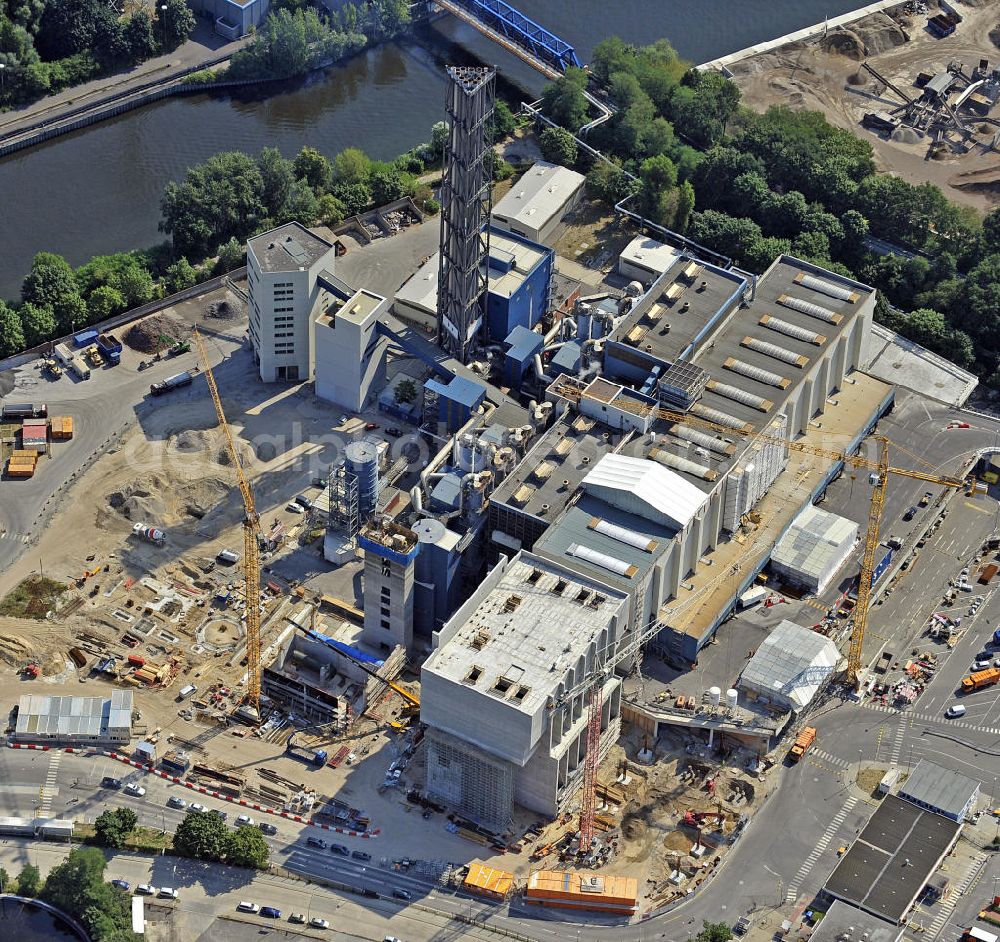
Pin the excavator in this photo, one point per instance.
(697, 819)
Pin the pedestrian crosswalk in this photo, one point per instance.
(821, 845)
(954, 894)
(830, 759)
(897, 742)
(48, 791)
(930, 718)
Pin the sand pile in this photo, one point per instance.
(18, 650)
(209, 443)
(868, 37)
(155, 334)
(225, 310)
(155, 500)
(906, 135)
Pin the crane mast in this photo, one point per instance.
(251, 532)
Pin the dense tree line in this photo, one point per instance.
(751, 186)
(49, 45)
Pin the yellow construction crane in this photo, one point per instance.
(251, 533)
(881, 470)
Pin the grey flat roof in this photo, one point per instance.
(539, 193)
(575, 528)
(939, 787)
(725, 341)
(567, 451)
(893, 857)
(845, 923)
(288, 248)
(531, 628)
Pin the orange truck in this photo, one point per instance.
(802, 743)
(980, 679)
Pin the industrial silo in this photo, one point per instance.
(361, 460)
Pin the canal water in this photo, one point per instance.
(30, 923)
(98, 190)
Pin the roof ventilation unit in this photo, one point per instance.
(813, 310)
(756, 373)
(720, 418)
(740, 395)
(622, 534)
(773, 350)
(826, 287)
(792, 330)
(602, 559)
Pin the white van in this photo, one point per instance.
(954, 712)
(186, 692)
(245, 906)
(228, 556)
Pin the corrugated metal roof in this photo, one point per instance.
(782, 666)
(623, 480)
(44, 716)
(814, 544)
(939, 788)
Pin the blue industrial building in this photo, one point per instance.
(452, 403)
(519, 283)
(522, 345)
(435, 577)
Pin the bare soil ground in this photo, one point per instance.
(825, 76)
(592, 235)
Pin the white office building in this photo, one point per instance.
(283, 266)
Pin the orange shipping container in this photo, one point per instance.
(488, 881)
(24, 453)
(62, 426)
(571, 890)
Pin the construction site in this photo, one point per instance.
(919, 80)
(551, 586)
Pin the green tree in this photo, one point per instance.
(713, 932)
(11, 332)
(439, 139)
(610, 182)
(331, 210)
(26, 13)
(104, 302)
(38, 323)
(405, 391)
(140, 35)
(351, 165)
(354, 197)
(246, 847)
(278, 177)
(685, 206)
(703, 104)
(313, 167)
(611, 55)
(657, 197)
(203, 836)
(231, 255)
(564, 100)
(182, 274)
(29, 881)
(219, 199)
(135, 284)
(504, 121)
(77, 886)
(558, 146)
(176, 22)
(113, 826)
(50, 280)
(386, 184)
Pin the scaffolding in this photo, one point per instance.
(466, 203)
(345, 512)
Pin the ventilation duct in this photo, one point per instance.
(740, 395)
(677, 463)
(719, 418)
(622, 534)
(602, 559)
(826, 287)
(705, 439)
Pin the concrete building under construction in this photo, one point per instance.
(498, 729)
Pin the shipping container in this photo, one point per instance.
(80, 368)
(988, 573)
(176, 761)
(63, 354)
(186, 692)
(136, 660)
(79, 658)
(62, 427)
(111, 347)
(85, 339)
